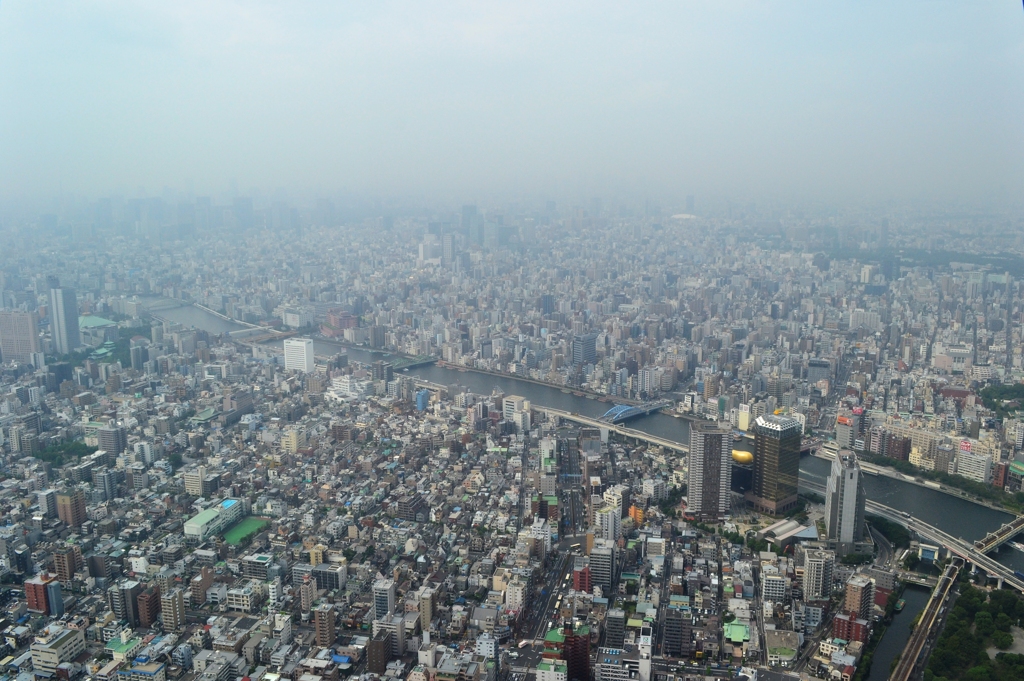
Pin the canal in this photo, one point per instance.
(895, 638)
(951, 514)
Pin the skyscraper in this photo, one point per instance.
(298, 354)
(19, 336)
(844, 503)
(710, 474)
(776, 463)
(64, 318)
(71, 507)
(584, 349)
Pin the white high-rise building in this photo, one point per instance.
(844, 503)
(298, 354)
(818, 567)
(609, 522)
(384, 594)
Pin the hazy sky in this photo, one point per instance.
(857, 100)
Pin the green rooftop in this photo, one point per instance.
(204, 517)
(118, 647)
(554, 636)
(91, 321)
(736, 632)
(558, 666)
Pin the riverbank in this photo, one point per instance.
(873, 469)
(579, 392)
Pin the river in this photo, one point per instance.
(953, 515)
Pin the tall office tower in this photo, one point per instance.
(384, 594)
(576, 650)
(584, 349)
(47, 502)
(602, 564)
(324, 618)
(55, 598)
(608, 520)
(298, 354)
(172, 609)
(818, 568)
(112, 439)
(71, 507)
(678, 634)
(776, 463)
(615, 628)
(448, 249)
(847, 429)
(844, 503)
(709, 479)
(19, 336)
(64, 318)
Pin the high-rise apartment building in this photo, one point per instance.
(710, 475)
(844, 503)
(776, 463)
(47, 502)
(608, 520)
(112, 439)
(818, 568)
(122, 599)
(71, 507)
(860, 596)
(65, 562)
(64, 318)
(172, 609)
(384, 595)
(19, 336)
(298, 354)
(324, 621)
(148, 606)
(35, 593)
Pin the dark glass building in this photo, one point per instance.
(776, 464)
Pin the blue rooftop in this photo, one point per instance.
(228, 503)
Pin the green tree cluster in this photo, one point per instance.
(978, 620)
(897, 535)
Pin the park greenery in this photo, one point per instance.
(978, 621)
(65, 452)
(1004, 400)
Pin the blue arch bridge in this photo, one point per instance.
(625, 412)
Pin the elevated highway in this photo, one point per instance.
(966, 550)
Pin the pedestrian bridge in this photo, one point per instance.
(624, 412)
